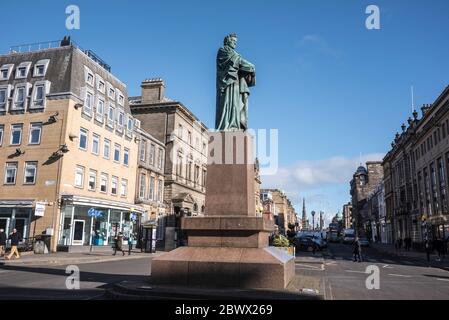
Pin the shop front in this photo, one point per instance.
(89, 222)
(16, 215)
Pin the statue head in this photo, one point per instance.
(230, 40)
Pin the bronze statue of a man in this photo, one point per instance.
(234, 77)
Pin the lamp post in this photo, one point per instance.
(313, 220)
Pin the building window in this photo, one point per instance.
(443, 127)
(142, 151)
(160, 157)
(142, 186)
(30, 173)
(40, 90)
(88, 103)
(121, 98)
(106, 148)
(96, 144)
(204, 148)
(22, 70)
(180, 131)
(79, 177)
(111, 112)
(179, 166)
(19, 97)
(92, 180)
(35, 133)
(10, 173)
(130, 125)
(111, 93)
(2, 130)
(114, 184)
(152, 151)
(100, 109)
(3, 98)
(83, 139)
(204, 177)
(103, 183)
(120, 120)
(126, 156)
(40, 68)
(16, 134)
(89, 76)
(100, 84)
(151, 191)
(189, 138)
(117, 152)
(5, 71)
(197, 174)
(160, 192)
(124, 188)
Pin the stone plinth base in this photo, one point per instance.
(268, 268)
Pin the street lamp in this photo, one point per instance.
(313, 220)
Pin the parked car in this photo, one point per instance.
(306, 244)
(333, 237)
(364, 242)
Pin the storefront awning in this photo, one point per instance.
(100, 203)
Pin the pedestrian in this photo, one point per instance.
(118, 244)
(2, 242)
(15, 238)
(439, 247)
(357, 250)
(130, 244)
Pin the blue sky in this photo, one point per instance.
(332, 88)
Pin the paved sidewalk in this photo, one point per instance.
(412, 254)
(61, 258)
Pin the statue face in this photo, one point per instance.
(233, 42)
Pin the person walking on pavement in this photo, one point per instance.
(118, 244)
(2, 242)
(130, 244)
(15, 238)
(357, 250)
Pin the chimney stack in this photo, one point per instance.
(152, 90)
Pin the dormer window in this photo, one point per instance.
(22, 70)
(20, 95)
(4, 95)
(5, 71)
(40, 69)
(40, 90)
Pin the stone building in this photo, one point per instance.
(416, 174)
(149, 189)
(186, 141)
(68, 147)
(362, 185)
(347, 216)
(284, 212)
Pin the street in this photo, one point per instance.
(400, 278)
(24, 282)
(332, 271)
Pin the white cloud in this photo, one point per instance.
(312, 45)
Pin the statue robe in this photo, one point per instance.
(234, 77)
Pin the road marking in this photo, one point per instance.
(353, 271)
(443, 279)
(388, 267)
(399, 275)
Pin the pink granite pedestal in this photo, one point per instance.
(228, 247)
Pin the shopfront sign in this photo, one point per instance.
(39, 209)
(92, 212)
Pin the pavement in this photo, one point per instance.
(417, 256)
(61, 258)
